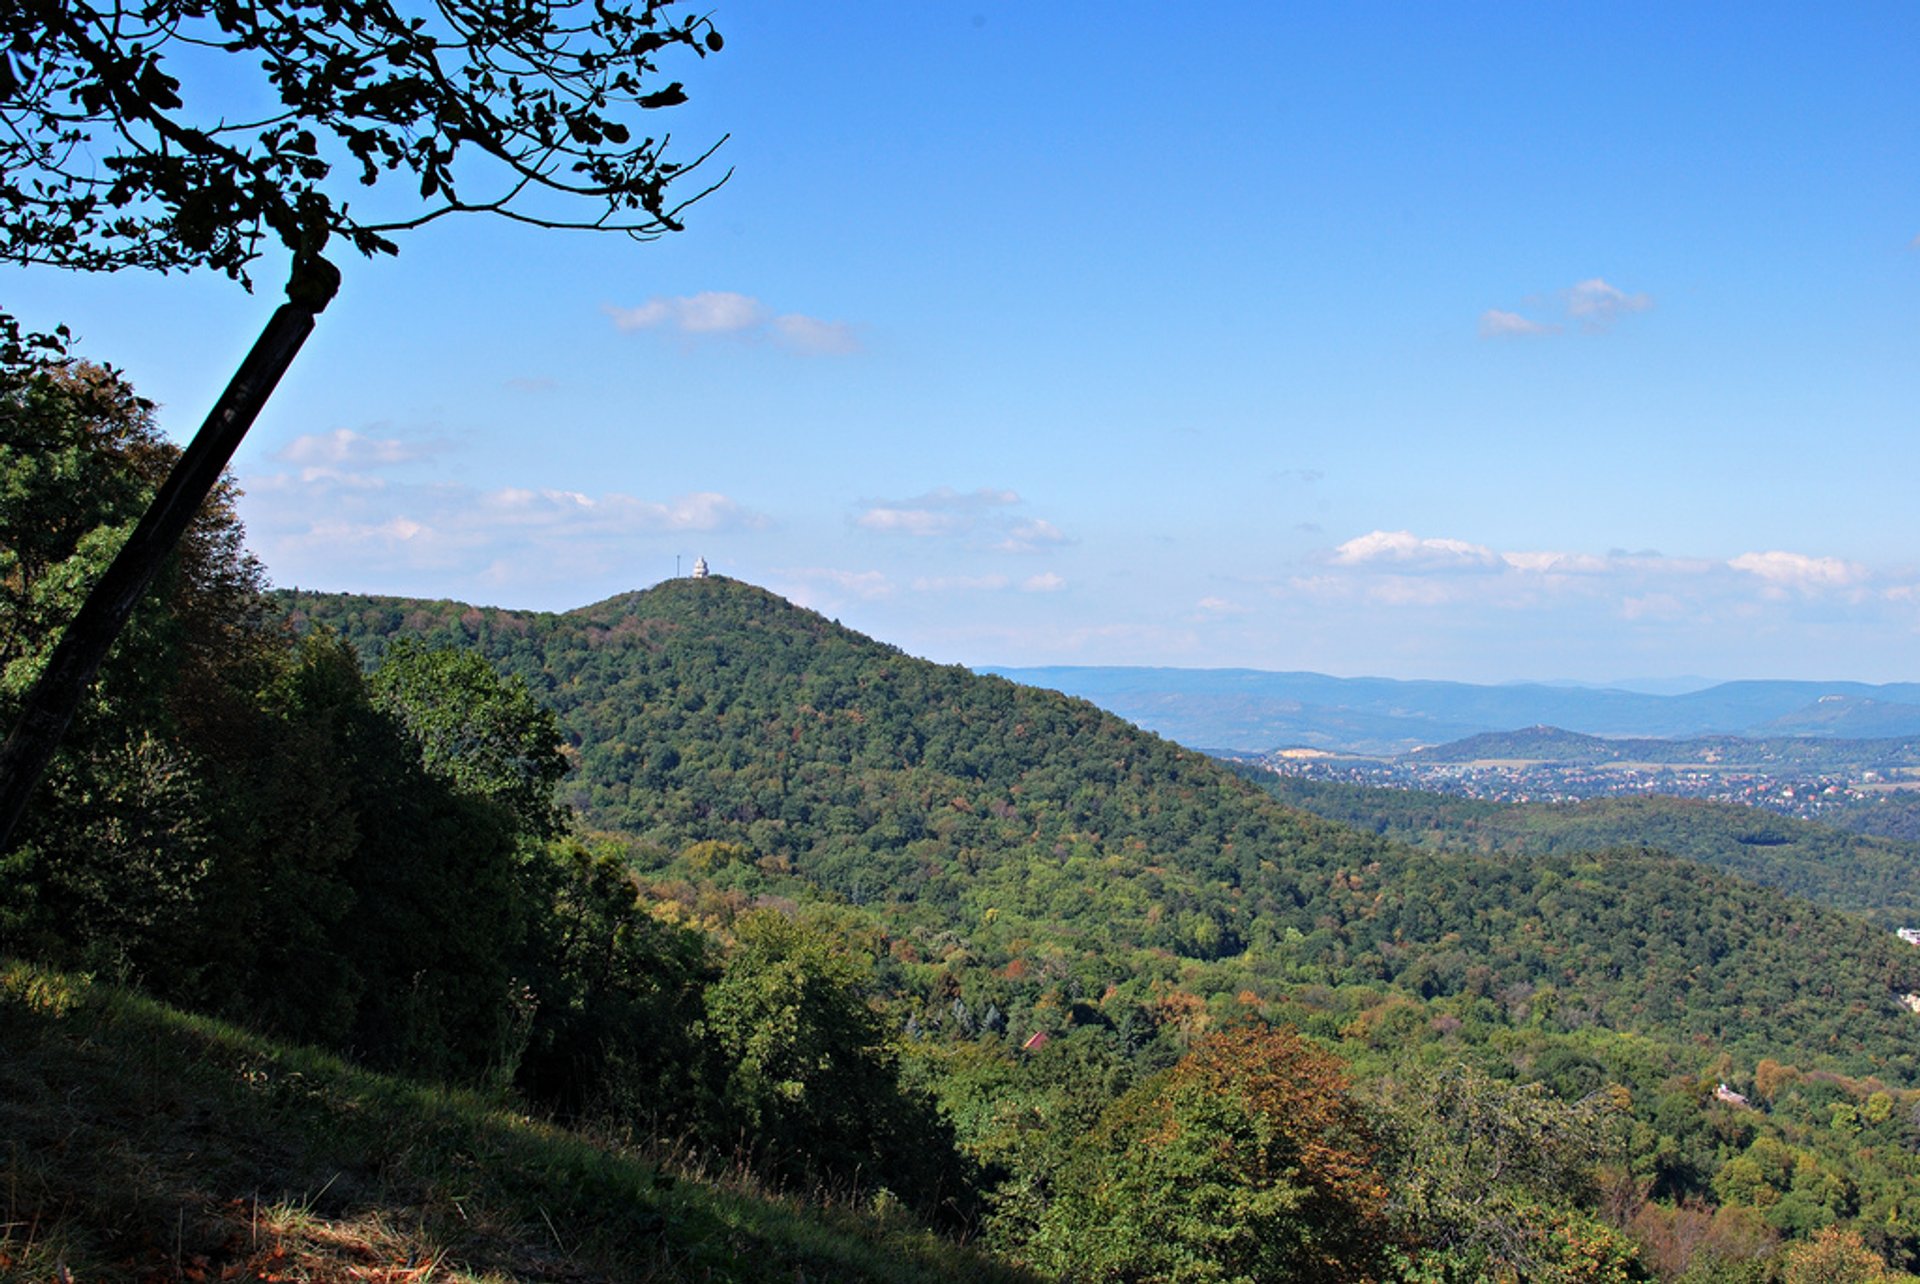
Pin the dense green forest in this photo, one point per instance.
(1037, 828)
(1029, 866)
(734, 889)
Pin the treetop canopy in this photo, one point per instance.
(111, 156)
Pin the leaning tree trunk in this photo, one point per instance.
(57, 693)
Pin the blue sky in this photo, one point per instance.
(1490, 342)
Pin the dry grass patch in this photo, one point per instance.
(138, 1143)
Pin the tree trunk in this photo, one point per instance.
(57, 693)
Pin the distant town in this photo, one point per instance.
(1807, 795)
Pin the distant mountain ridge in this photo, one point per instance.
(1254, 710)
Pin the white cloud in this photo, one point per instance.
(985, 514)
(328, 528)
(1402, 569)
(724, 313)
(1045, 582)
(1653, 606)
(1032, 536)
(345, 446)
(1597, 305)
(1796, 570)
(863, 584)
(1496, 324)
(1556, 563)
(1315, 586)
(1407, 550)
(394, 529)
(828, 589)
(1593, 305)
(348, 457)
(959, 583)
(613, 513)
(920, 522)
(1403, 590)
(814, 337)
(709, 312)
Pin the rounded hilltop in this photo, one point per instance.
(682, 591)
(712, 603)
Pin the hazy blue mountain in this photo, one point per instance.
(1848, 716)
(1252, 710)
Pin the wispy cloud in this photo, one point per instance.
(351, 458)
(709, 312)
(816, 586)
(577, 513)
(1798, 571)
(327, 521)
(814, 337)
(960, 583)
(1556, 563)
(943, 511)
(987, 517)
(723, 313)
(1597, 305)
(1032, 536)
(1044, 582)
(1399, 568)
(1496, 324)
(1591, 305)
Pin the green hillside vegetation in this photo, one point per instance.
(250, 827)
(143, 1143)
(1021, 864)
(1030, 852)
(1877, 879)
(927, 957)
(1893, 814)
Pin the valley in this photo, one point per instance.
(1034, 876)
(1025, 944)
(623, 862)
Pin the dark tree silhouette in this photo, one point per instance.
(109, 159)
(132, 137)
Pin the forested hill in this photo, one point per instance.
(710, 709)
(1032, 850)
(1572, 748)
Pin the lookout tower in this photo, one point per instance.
(699, 568)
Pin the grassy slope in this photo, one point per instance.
(143, 1144)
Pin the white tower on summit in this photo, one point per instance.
(699, 568)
